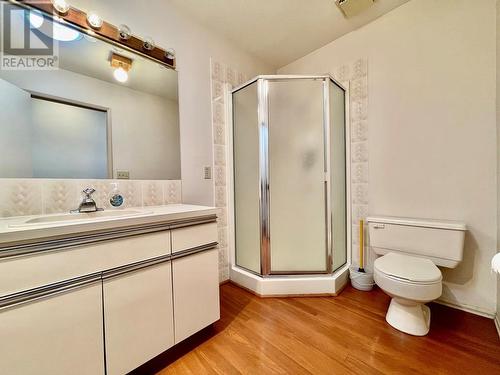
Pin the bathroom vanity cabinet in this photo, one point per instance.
(106, 302)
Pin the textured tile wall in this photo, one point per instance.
(222, 75)
(355, 76)
(19, 197)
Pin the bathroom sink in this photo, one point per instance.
(65, 218)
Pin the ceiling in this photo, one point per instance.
(280, 31)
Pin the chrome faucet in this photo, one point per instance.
(87, 204)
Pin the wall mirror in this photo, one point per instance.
(104, 112)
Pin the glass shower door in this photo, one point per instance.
(297, 185)
(246, 151)
(338, 188)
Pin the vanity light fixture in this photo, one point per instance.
(92, 24)
(170, 53)
(148, 44)
(121, 65)
(61, 6)
(124, 32)
(94, 20)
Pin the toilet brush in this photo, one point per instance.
(361, 247)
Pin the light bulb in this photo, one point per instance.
(170, 53)
(124, 32)
(94, 20)
(495, 263)
(61, 6)
(120, 75)
(149, 44)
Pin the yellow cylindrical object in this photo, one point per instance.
(361, 245)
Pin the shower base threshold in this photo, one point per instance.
(290, 286)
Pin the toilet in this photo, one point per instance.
(409, 252)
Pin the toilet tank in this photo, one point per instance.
(438, 240)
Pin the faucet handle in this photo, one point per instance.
(88, 191)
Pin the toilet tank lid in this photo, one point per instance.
(427, 223)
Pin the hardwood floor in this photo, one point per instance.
(329, 335)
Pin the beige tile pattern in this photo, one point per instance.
(59, 196)
(131, 191)
(221, 76)
(152, 193)
(19, 197)
(172, 192)
(355, 75)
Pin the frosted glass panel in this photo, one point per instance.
(246, 178)
(297, 186)
(338, 175)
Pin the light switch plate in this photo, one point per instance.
(122, 175)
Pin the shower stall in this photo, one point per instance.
(289, 168)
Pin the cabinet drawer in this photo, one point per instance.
(30, 271)
(193, 236)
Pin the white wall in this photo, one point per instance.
(145, 127)
(432, 146)
(194, 45)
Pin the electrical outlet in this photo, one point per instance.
(122, 175)
(207, 173)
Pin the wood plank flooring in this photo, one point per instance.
(329, 335)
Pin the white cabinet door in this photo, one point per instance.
(138, 317)
(56, 334)
(196, 292)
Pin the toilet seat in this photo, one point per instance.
(408, 268)
(407, 277)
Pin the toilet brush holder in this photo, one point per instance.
(361, 280)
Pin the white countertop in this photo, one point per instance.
(12, 230)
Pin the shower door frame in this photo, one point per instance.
(264, 193)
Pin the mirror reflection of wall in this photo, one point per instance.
(94, 124)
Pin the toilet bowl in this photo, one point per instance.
(409, 252)
(411, 282)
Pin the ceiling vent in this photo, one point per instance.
(352, 8)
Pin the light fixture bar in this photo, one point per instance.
(106, 31)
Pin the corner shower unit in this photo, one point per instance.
(290, 195)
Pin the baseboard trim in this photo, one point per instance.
(468, 309)
(283, 295)
(224, 282)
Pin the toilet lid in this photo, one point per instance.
(408, 267)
